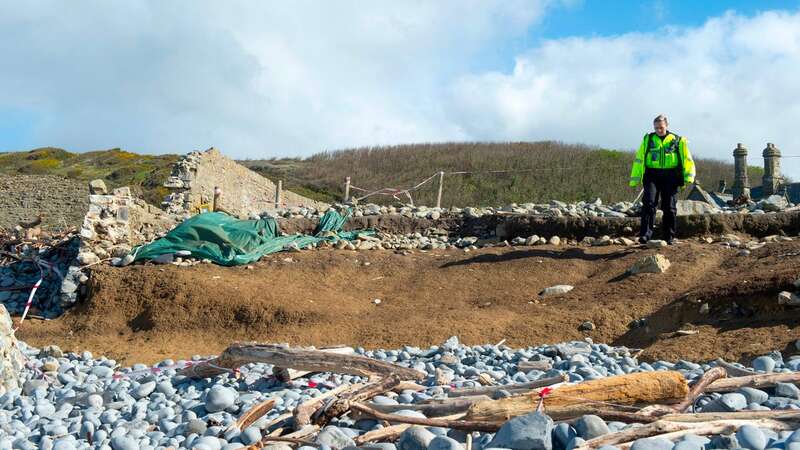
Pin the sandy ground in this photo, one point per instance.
(148, 313)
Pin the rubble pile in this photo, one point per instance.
(555, 208)
(51, 258)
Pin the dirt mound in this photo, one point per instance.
(147, 313)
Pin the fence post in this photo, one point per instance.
(278, 189)
(441, 185)
(346, 189)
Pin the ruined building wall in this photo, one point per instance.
(62, 201)
(243, 191)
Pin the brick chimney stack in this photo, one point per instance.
(772, 179)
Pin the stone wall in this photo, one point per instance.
(244, 192)
(61, 201)
(116, 222)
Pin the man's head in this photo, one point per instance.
(660, 124)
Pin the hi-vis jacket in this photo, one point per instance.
(671, 152)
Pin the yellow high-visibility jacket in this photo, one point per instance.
(668, 153)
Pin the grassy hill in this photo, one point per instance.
(143, 173)
(499, 173)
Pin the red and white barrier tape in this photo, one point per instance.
(29, 302)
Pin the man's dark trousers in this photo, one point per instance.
(663, 184)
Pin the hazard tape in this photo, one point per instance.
(30, 302)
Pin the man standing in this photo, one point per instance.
(663, 164)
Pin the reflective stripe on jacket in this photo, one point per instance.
(666, 153)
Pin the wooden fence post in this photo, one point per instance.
(346, 189)
(278, 189)
(441, 185)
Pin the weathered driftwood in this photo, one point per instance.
(304, 411)
(489, 390)
(389, 433)
(470, 425)
(784, 414)
(286, 375)
(607, 412)
(733, 371)
(303, 432)
(266, 439)
(255, 413)
(527, 366)
(697, 389)
(408, 386)
(239, 354)
(344, 401)
(279, 421)
(754, 381)
(673, 430)
(629, 389)
(458, 406)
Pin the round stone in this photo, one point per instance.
(144, 390)
(751, 437)
(250, 436)
(220, 398)
(124, 443)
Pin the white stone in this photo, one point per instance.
(788, 299)
(650, 264)
(11, 359)
(694, 207)
(98, 187)
(556, 290)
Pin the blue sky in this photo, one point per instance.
(263, 79)
(613, 17)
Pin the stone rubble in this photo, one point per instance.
(555, 208)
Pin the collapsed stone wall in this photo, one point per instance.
(244, 192)
(509, 227)
(116, 222)
(61, 201)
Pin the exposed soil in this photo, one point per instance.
(148, 313)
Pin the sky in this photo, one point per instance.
(261, 79)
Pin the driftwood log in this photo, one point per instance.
(239, 354)
(304, 411)
(344, 401)
(470, 425)
(630, 389)
(674, 430)
(489, 390)
(754, 381)
(390, 433)
(715, 374)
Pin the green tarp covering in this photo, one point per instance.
(228, 241)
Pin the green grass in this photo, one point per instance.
(540, 171)
(143, 173)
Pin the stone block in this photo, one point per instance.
(98, 187)
(124, 191)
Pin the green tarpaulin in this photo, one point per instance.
(228, 241)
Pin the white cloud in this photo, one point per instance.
(732, 80)
(290, 78)
(253, 78)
